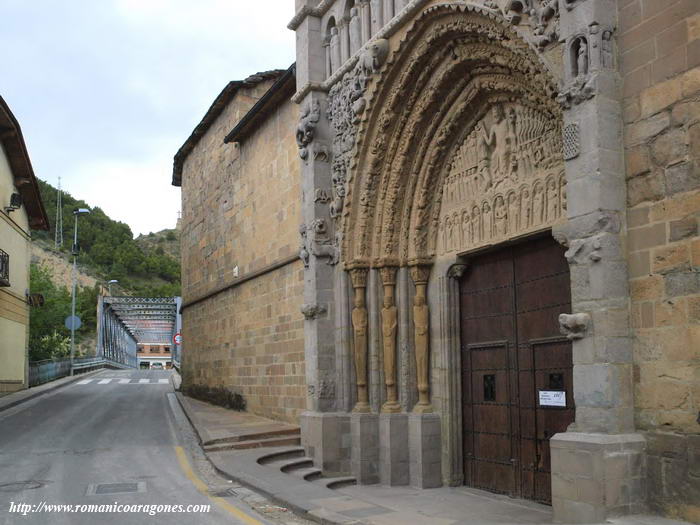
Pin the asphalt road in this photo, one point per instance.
(99, 442)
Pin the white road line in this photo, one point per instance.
(84, 381)
(124, 381)
(103, 381)
(163, 381)
(144, 380)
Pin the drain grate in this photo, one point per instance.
(115, 488)
(19, 486)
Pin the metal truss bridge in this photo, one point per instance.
(125, 322)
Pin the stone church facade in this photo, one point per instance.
(500, 247)
(242, 279)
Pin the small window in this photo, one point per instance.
(556, 381)
(489, 387)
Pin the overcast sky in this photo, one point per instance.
(106, 91)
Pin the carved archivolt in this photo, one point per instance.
(462, 116)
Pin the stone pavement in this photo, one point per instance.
(286, 476)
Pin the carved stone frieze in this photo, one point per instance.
(310, 115)
(346, 105)
(574, 326)
(505, 180)
(542, 14)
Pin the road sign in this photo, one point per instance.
(73, 322)
(177, 339)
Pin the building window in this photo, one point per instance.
(4, 269)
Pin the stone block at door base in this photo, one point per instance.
(364, 462)
(393, 449)
(424, 445)
(596, 476)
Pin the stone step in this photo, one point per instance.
(308, 474)
(252, 436)
(290, 465)
(336, 483)
(255, 443)
(278, 455)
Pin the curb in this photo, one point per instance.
(300, 507)
(45, 390)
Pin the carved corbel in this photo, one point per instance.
(389, 328)
(574, 326)
(360, 325)
(421, 323)
(456, 271)
(313, 311)
(581, 250)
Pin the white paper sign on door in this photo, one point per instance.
(552, 398)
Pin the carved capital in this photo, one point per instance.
(420, 274)
(456, 271)
(358, 276)
(388, 274)
(574, 326)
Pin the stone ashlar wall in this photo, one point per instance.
(241, 209)
(660, 57)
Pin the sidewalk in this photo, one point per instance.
(285, 475)
(15, 398)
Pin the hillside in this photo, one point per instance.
(163, 242)
(108, 249)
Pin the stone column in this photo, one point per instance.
(390, 319)
(360, 323)
(596, 464)
(325, 430)
(344, 35)
(355, 30)
(365, 20)
(388, 11)
(421, 323)
(377, 18)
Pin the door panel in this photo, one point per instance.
(511, 350)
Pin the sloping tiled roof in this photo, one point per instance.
(212, 113)
(281, 91)
(21, 167)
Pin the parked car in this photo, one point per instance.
(156, 366)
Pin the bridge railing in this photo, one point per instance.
(50, 369)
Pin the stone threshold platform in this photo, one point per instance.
(285, 475)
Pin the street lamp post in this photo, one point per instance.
(79, 211)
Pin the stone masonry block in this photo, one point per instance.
(393, 449)
(608, 488)
(364, 429)
(424, 450)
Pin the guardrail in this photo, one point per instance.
(41, 372)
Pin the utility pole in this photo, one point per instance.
(76, 249)
(58, 240)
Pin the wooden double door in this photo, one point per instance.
(517, 387)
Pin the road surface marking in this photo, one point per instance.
(202, 488)
(124, 381)
(144, 380)
(85, 381)
(163, 381)
(103, 381)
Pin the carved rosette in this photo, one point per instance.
(360, 326)
(390, 325)
(421, 323)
